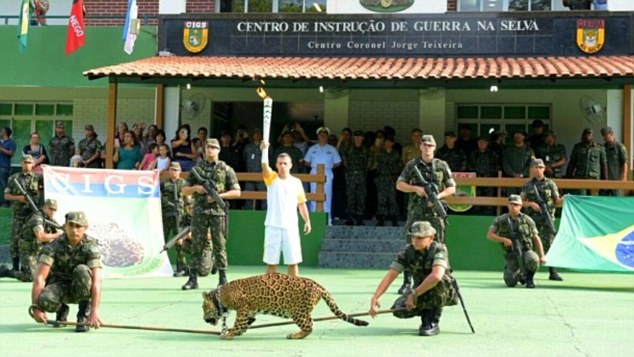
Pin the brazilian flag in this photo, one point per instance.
(596, 233)
(23, 25)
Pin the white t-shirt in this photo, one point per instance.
(283, 196)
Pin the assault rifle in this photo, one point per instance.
(34, 207)
(516, 251)
(182, 234)
(464, 309)
(432, 194)
(544, 213)
(211, 189)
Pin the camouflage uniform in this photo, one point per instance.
(70, 278)
(30, 247)
(455, 158)
(516, 161)
(356, 160)
(421, 265)
(525, 228)
(549, 194)
(586, 161)
(209, 216)
(616, 155)
(388, 167)
(550, 155)
(21, 211)
(417, 210)
(88, 148)
(173, 213)
(484, 164)
(186, 246)
(61, 149)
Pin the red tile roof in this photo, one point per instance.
(377, 68)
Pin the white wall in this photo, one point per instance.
(172, 6)
(354, 7)
(620, 5)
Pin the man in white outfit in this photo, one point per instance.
(322, 153)
(285, 195)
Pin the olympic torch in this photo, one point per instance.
(266, 114)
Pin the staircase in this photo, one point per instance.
(359, 247)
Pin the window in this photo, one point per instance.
(509, 5)
(25, 118)
(484, 119)
(275, 6)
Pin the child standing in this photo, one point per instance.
(149, 159)
(163, 160)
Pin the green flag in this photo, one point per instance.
(23, 25)
(596, 233)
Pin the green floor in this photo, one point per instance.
(586, 315)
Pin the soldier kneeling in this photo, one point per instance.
(428, 263)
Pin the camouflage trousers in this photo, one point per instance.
(386, 196)
(512, 266)
(67, 292)
(436, 222)
(202, 247)
(545, 235)
(181, 249)
(16, 234)
(443, 294)
(355, 193)
(169, 227)
(28, 260)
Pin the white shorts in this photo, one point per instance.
(279, 240)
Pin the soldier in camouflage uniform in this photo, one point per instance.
(388, 167)
(434, 287)
(616, 155)
(69, 272)
(454, 156)
(587, 161)
(356, 160)
(526, 232)
(35, 233)
(517, 159)
(61, 147)
(485, 163)
(435, 172)
(30, 182)
(184, 245)
(553, 154)
(208, 216)
(173, 210)
(90, 148)
(548, 194)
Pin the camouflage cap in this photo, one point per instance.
(421, 229)
(59, 124)
(51, 203)
(78, 217)
(214, 143)
(359, 133)
(175, 165)
(450, 133)
(515, 199)
(538, 163)
(428, 139)
(606, 130)
(89, 127)
(27, 158)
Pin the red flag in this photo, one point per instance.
(76, 34)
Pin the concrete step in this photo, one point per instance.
(364, 232)
(357, 260)
(363, 245)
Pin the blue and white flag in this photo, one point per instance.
(131, 27)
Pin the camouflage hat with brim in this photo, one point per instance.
(78, 217)
(214, 143)
(515, 199)
(175, 166)
(428, 139)
(28, 158)
(538, 163)
(606, 130)
(421, 229)
(51, 203)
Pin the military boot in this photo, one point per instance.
(61, 316)
(554, 275)
(181, 270)
(82, 316)
(222, 277)
(407, 283)
(192, 283)
(529, 279)
(429, 326)
(5, 272)
(16, 265)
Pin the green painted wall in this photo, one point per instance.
(45, 63)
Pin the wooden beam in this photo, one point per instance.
(111, 123)
(159, 106)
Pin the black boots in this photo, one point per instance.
(222, 277)
(61, 316)
(192, 283)
(82, 316)
(554, 275)
(16, 264)
(529, 279)
(407, 283)
(430, 319)
(5, 272)
(181, 270)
